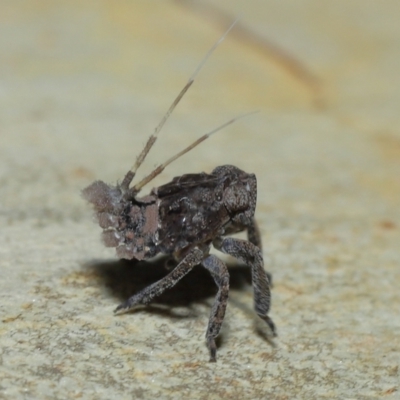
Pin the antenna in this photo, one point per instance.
(150, 142)
(135, 189)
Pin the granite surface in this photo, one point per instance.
(83, 84)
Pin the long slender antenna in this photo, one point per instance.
(135, 189)
(150, 142)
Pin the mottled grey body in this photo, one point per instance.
(183, 218)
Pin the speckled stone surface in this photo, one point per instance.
(82, 85)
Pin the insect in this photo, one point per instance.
(183, 219)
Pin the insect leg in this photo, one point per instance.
(219, 272)
(251, 255)
(194, 257)
(254, 236)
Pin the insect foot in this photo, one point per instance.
(183, 219)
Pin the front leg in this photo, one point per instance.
(251, 255)
(194, 257)
(254, 236)
(220, 273)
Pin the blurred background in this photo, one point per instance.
(82, 86)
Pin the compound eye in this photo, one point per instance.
(236, 198)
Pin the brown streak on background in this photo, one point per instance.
(282, 58)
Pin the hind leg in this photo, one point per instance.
(194, 257)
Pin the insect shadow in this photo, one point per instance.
(122, 278)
